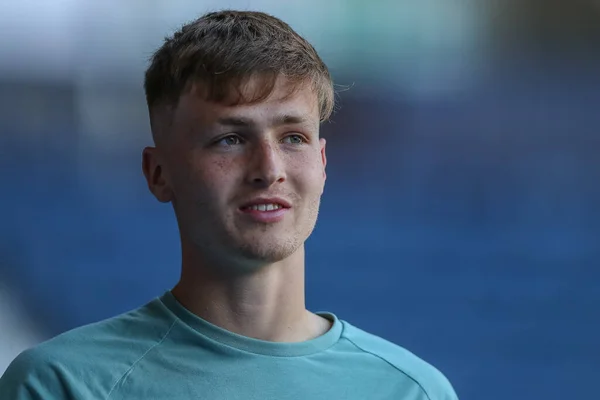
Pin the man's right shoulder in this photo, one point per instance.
(86, 361)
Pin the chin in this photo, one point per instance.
(270, 251)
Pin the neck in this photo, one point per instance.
(267, 303)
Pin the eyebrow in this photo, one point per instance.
(278, 120)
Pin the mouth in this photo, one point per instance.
(263, 207)
(266, 211)
(264, 204)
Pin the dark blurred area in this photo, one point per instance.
(461, 216)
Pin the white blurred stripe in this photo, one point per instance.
(36, 37)
(16, 333)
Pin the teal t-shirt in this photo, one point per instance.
(163, 351)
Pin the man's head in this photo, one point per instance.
(221, 51)
(235, 102)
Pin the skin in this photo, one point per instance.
(244, 275)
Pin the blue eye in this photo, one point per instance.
(294, 139)
(230, 140)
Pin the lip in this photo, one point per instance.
(266, 200)
(266, 217)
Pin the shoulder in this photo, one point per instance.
(87, 361)
(431, 381)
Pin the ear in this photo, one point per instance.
(323, 142)
(155, 175)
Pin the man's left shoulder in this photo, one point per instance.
(431, 380)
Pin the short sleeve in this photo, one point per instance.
(31, 376)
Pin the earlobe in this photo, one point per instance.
(155, 175)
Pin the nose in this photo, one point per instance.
(265, 166)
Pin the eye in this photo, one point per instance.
(230, 140)
(294, 139)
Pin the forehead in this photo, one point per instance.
(287, 102)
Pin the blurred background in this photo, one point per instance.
(461, 218)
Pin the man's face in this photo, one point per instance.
(245, 181)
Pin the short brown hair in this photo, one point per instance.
(222, 50)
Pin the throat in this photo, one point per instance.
(281, 317)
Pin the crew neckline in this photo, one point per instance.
(252, 345)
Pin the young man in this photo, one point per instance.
(235, 102)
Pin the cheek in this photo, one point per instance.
(211, 182)
(218, 177)
(204, 179)
(308, 171)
